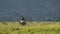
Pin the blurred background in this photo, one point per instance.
(32, 10)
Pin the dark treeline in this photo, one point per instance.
(28, 19)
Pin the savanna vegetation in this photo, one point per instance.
(30, 28)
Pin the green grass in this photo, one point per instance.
(30, 28)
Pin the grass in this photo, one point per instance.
(30, 28)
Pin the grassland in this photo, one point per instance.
(30, 28)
